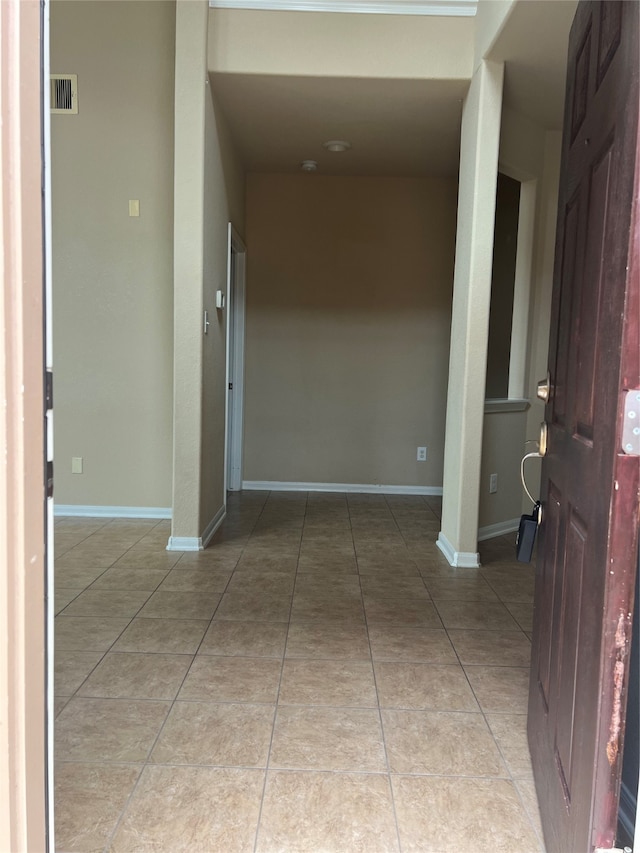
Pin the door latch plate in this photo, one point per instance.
(631, 423)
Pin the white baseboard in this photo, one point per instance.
(77, 511)
(490, 531)
(358, 488)
(213, 525)
(459, 559)
(184, 543)
(198, 543)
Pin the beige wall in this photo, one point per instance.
(188, 266)
(502, 449)
(223, 202)
(470, 320)
(490, 18)
(525, 154)
(112, 274)
(339, 45)
(531, 154)
(348, 317)
(521, 146)
(528, 154)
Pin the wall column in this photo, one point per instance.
(188, 266)
(479, 144)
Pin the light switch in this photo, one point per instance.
(76, 464)
(134, 207)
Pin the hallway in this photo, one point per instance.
(317, 680)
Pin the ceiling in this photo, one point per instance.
(399, 127)
(396, 127)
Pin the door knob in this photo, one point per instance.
(544, 389)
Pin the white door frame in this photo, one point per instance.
(234, 424)
(48, 348)
(24, 797)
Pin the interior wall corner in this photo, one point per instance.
(480, 137)
(189, 154)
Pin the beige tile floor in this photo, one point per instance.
(318, 680)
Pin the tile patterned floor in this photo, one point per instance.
(317, 681)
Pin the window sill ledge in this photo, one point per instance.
(492, 407)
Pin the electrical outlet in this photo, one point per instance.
(422, 454)
(493, 484)
(76, 464)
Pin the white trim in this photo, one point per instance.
(452, 8)
(362, 488)
(494, 406)
(48, 348)
(184, 543)
(459, 559)
(198, 543)
(501, 528)
(236, 291)
(77, 511)
(213, 526)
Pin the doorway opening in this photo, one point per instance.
(511, 286)
(236, 268)
(502, 286)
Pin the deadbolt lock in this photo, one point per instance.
(544, 389)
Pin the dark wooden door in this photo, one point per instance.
(589, 534)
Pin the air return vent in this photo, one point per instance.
(64, 93)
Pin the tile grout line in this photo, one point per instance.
(511, 778)
(382, 729)
(106, 652)
(147, 763)
(275, 708)
(134, 787)
(298, 575)
(481, 710)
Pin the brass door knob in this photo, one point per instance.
(544, 389)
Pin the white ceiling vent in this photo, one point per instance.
(64, 93)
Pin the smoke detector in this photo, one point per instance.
(309, 165)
